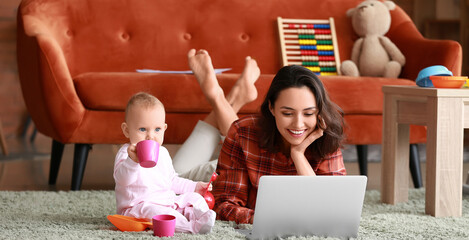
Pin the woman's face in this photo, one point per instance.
(295, 113)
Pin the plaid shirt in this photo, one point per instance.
(241, 164)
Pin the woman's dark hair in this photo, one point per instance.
(297, 77)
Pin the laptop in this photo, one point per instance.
(325, 206)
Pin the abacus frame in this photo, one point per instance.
(286, 58)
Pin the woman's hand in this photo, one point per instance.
(301, 148)
(297, 152)
(132, 151)
(201, 187)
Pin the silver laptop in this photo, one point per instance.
(308, 206)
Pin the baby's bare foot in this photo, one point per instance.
(201, 65)
(244, 90)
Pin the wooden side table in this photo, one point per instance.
(445, 112)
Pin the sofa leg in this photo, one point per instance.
(362, 152)
(79, 162)
(414, 165)
(55, 159)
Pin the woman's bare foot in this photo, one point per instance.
(244, 90)
(201, 65)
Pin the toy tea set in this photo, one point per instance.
(440, 77)
(163, 225)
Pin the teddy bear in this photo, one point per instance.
(373, 54)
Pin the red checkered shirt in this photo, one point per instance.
(241, 164)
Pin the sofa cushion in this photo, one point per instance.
(180, 93)
(360, 95)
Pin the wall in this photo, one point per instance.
(12, 108)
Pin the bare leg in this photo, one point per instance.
(192, 160)
(244, 91)
(225, 110)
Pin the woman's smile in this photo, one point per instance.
(297, 133)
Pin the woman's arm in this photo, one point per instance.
(302, 165)
(232, 186)
(297, 153)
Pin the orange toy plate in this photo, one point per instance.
(129, 224)
(448, 81)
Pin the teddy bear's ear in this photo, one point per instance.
(350, 12)
(390, 5)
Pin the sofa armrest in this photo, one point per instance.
(46, 82)
(421, 52)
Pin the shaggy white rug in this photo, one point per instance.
(82, 215)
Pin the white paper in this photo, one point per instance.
(217, 71)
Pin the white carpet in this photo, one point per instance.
(82, 215)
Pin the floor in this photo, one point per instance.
(27, 167)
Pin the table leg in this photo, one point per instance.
(395, 155)
(443, 196)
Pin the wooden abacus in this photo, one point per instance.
(310, 43)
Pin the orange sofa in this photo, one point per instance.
(77, 63)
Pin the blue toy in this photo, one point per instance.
(423, 79)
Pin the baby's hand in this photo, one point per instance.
(132, 151)
(201, 187)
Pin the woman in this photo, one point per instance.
(299, 132)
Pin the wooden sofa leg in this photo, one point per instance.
(79, 162)
(28, 122)
(55, 159)
(33, 135)
(3, 142)
(362, 152)
(414, 165)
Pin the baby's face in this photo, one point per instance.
(145, 124)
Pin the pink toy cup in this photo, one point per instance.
(164, 225)
(147, 153)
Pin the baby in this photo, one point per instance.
(146, 192)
